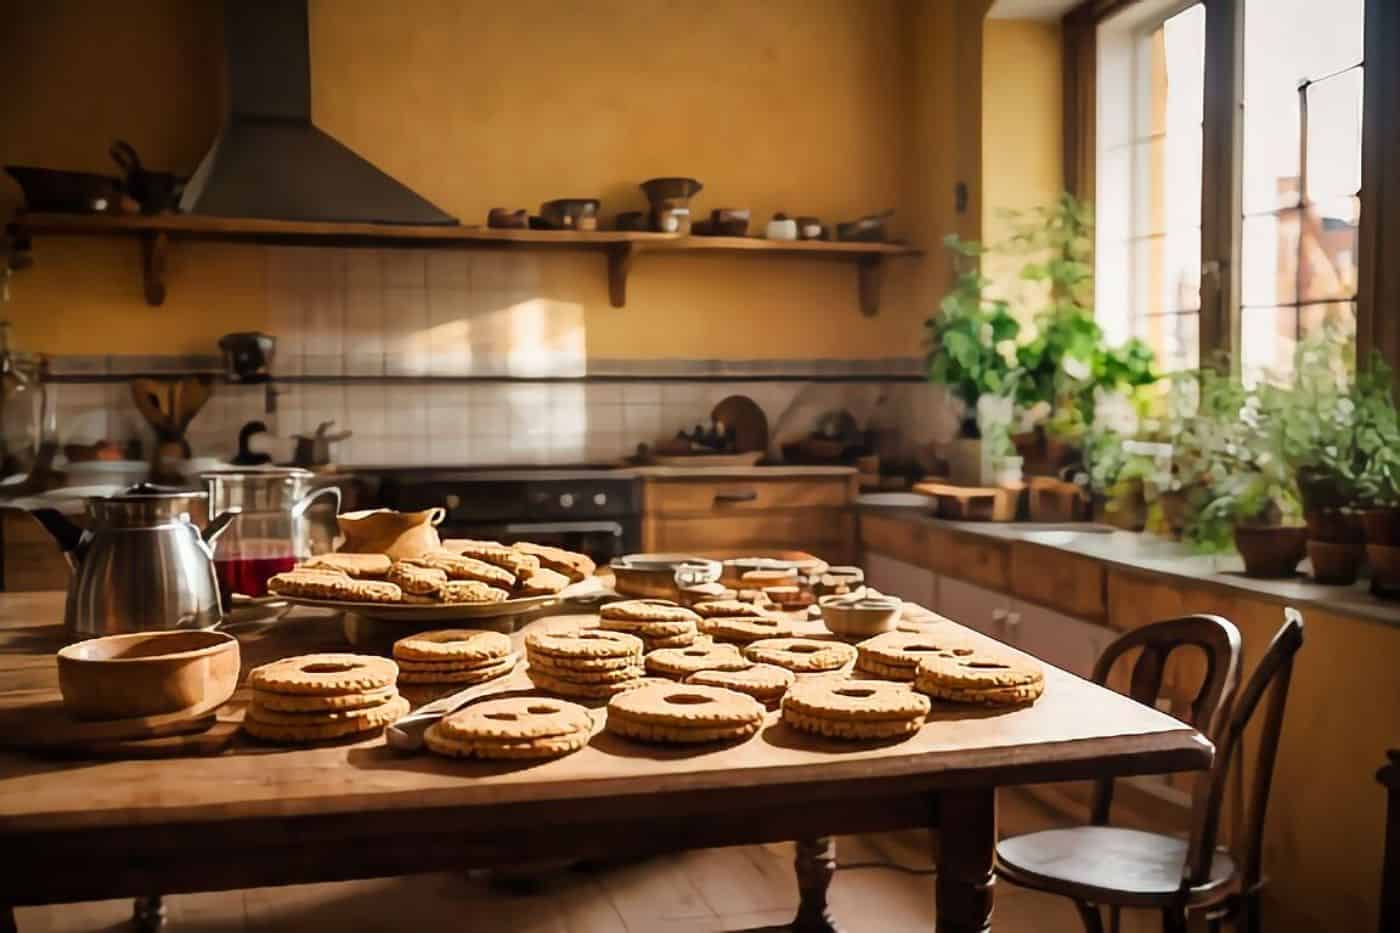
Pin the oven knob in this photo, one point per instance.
(566, 501)
(600, 498)
(452, 501)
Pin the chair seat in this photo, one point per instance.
(1108, 865)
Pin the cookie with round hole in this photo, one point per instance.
(324, 674)
(802, 655)
(453, 644)
(983, 676)
(766, 683)
(897, 654)
(684, 714)
(680, 663)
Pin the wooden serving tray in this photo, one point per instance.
(974, 503)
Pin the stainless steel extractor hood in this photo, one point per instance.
(269, 161)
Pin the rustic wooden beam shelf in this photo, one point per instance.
(620, 247)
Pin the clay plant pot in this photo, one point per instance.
(1385, 570)
(1320, 490)
(1334, 563)
(1126, 508)
(1271, 551)
(1382, 525)
(1336, 526)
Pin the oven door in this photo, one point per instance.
(601, 540)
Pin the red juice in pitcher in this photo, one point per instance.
(249, 575)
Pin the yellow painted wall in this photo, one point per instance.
(1022, 156)
(828, 107)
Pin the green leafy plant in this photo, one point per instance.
(963, 337)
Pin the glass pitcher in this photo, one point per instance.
(273, 532)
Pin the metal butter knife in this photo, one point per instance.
(406, 735)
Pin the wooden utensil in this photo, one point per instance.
(744, 421)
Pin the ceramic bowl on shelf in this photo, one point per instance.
(148, 674)
(860, 614)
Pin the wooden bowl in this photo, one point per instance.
(860, 615)
(148, 674)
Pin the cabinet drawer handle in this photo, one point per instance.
(738, 495)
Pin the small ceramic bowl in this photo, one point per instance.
(148, 674)
(860, 614)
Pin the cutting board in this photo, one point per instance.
(46, 728)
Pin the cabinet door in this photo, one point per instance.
(910, 583)
(1068, 643)
(974, 606)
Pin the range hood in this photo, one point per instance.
(269, 161)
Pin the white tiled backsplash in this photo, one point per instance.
(358, 315)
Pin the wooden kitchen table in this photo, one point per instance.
(258, 815)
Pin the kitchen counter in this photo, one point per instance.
(736, 472)
(1171, 559)
(655, 472)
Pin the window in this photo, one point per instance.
(1291, 250)
(1149, 183)
(1301, 177)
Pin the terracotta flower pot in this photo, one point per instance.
(1338, 526)
(1334, 563)
(1382, 526)
(1385, 570)
(1271, 551)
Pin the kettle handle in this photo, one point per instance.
(218, 525)
(304, 503)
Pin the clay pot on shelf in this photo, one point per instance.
(1385, 569)
(1336, 544)
(1271, 551)
(1382, 525)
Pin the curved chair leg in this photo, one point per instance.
(148, 913)
(1092, 919)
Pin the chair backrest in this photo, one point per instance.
(1213, 635)
(1271, 676)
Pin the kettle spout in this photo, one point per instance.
(219, 524)
(70, 537)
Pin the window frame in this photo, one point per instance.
(1222, 156)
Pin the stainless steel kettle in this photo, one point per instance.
(143, 565)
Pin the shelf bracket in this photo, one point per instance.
(154, 248)
(620, 256)
(870, 271)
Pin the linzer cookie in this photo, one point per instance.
(896, 655)
(541, 582)
(854, 709)
(299, 728)
(684, 714)
(587, 687)
(459, 567)
(728, 609)
(571, 564)
(470, 591)
(802, 655)
(492, 552)
(324, 674)
(581, 643)
(742, 630)
(583, 662)
(646, 610)
(472, 645)
(512, 728)
(766, 683)
(359, 566)
(319, 584)
(983, 676)
(416, 580)
(679, 663)
(303, 703)
(427, 672)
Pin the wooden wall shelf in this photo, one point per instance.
(621, 248)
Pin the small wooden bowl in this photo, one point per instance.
(148, 674)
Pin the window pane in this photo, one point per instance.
(1169, 174)
(1268, 337)
(1334, 136)
(1112, 275)
(1290, 41)
(1328, 267)
(1167, 271)
(1269, 268)
(1176, 74)
(1175, 338)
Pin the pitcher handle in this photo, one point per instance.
(304, 503)
(436, 514)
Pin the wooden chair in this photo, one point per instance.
(1100, 865)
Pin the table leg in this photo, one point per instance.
(148, 913)
(967, 828)
(816, 864)
(7, 919)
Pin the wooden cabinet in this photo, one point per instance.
(974, 606)
(974, 558)
(909, 582)
(1068, 643)
(1058, 579)
(750, 513)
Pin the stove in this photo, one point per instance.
(595, 510)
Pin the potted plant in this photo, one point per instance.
(1378, 438)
